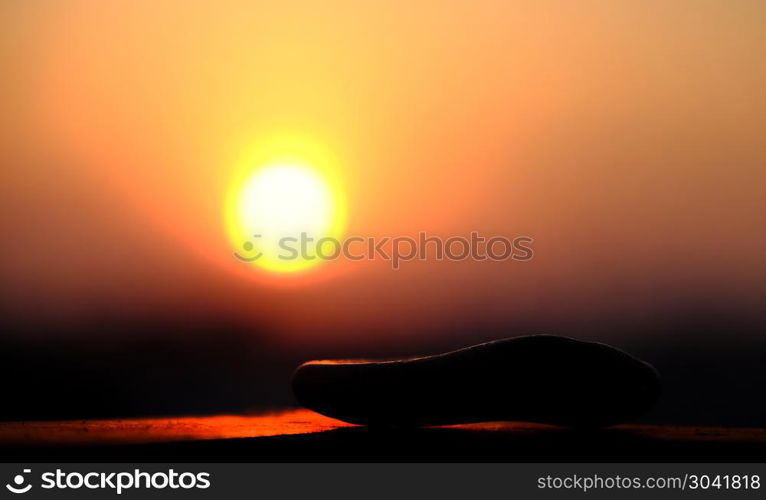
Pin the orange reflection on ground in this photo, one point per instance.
(298, 421)
(165, 429)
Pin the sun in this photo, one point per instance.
(278, 213)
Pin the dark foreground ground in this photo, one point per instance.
(303, 436)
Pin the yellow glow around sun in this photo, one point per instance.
(281, 194)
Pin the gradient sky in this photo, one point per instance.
(627, 138)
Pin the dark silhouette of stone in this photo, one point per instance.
(541, 378)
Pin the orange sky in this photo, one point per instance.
(626, 138)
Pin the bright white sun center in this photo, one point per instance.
(278, 208)
(284, 201)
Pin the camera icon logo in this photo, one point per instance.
(19, 480)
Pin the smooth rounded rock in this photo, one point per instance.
(540, 378)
